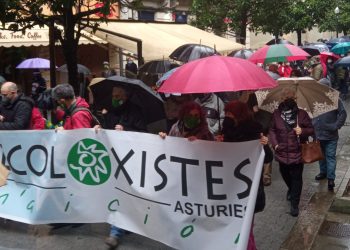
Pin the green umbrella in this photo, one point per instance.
(278, 53)
(341, 48)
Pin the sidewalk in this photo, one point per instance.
(275, 229)
(324, 222)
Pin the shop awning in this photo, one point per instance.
(36, 36)
(160, 39)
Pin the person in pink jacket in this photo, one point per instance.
(73, 111)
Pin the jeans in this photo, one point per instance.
(328, 164)
(343, 87)
(116, 232)
(292, 175)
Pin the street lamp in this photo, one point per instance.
(336, 12)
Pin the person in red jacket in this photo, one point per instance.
(73, 111)
(285, 69)
(37, 122)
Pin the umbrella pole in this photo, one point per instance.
(52, 54)
(218, 109)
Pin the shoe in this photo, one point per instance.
(331, 185)
(294, 211)
(320, 176)
(111, 241)
(267, 180)
(288, 196)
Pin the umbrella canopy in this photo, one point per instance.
(190, 52)
(34, 63)
(217, 74)
(145, 98)
(313, 97)
(243, 53)
(278, 53)
(81, 69)
(341, 48)
(165, 76)
(344, 62)
(334, 41)
(278, 41)
(315, 48)
(157, 67)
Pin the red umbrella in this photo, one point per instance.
(217, 74)
(278, 53)
(324, 57)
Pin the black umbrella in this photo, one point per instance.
(315, 48)
(242, 53)
(190, 52)
(344, 62)
(278, 41)
(150, 102)
(157, 67)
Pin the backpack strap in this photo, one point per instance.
(77, 109)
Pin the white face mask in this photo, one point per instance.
(329, 61)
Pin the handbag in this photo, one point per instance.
(311, 151)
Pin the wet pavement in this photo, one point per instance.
(320, 225)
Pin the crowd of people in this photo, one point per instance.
(230, 118)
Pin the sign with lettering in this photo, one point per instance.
(184, 194)
(37, 36)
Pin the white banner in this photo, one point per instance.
(188, 195)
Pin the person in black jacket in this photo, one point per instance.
(15, 109)
(124, 115)
(238, 126)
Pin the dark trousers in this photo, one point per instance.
(292, 175)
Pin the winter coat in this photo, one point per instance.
(17, 114)
(247, 131)
(79, 119)
(201, 132)
(37, 120)
(128, 115)
(317, 72)
(327, 125)
(289, 148)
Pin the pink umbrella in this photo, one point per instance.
(278, 53)
(217, 74)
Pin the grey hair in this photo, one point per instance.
(11, 86)
(63, 91)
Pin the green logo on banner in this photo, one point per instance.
(89, 163)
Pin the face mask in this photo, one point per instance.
(191, 121)
(116, 102)
(329, 61)
(5, 100)
(228, 124)
(289, 104)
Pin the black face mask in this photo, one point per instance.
(228, 124)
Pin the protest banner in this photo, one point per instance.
(188, 195)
